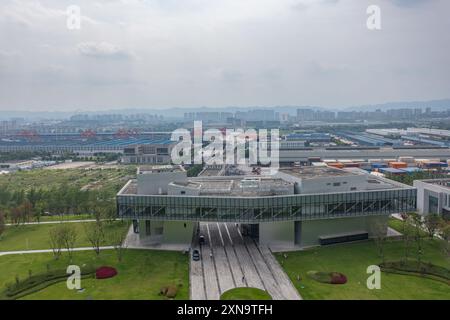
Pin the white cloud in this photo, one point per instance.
(101, 50)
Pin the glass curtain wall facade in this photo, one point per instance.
(295, 207)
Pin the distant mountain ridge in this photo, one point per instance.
(434, 104)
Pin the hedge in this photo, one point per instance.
(413, 267)
(328, 277)
(38, 282)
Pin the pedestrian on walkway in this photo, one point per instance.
(243, 279)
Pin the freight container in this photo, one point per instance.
(319, 164)
(431, 165)
(411, 169)
(406, 159)
(365, 165)
(391, 171)
(351, 165)
(398, 165)
(379, 165)
(335, 165)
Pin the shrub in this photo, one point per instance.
(105, 272)
(338, 278)
(38, 282)
(416, 268)
(171, 292)
(163, 291)
(328, 277)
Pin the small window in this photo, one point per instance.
(353, 188)
(183, 192)
(336, 184)
(345, 182)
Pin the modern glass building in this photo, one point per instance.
(286, 207)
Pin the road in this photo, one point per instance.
(229, 260)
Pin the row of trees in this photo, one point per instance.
(414, 229)
(25, 206)
(21, 155)
(64, 236)
(25, 155)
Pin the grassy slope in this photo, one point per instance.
(245, 294)
(108, 179)
(140, 276)
(33, 237)
(353, 260)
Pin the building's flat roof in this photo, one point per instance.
(441, 182)
(316, 172)
(259, 185)
(238, 185)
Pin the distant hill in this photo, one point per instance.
(179, 111)
(434, 104)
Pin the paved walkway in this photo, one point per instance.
(4, 253)
(229, 260)
(392, 233)
(50, 222)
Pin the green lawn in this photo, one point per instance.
(245, 294)
(353, 260)
(33, 237)
(141, 274)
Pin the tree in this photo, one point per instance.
(380, 236)
(2, 223)
(444, 232)
(431, 223)
(69, 237)
(109, 211)
(194, 170)
(417, 223)
(39, 210)
(95, 235)
(407, 232)
(16, 215)
(118, 240)
(27, 209)
(56, 241)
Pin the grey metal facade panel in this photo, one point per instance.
(263, 209)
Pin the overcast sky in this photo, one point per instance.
(216, 53)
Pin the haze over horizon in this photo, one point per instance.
(192, 53)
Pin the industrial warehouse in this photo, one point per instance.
(296, 207)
